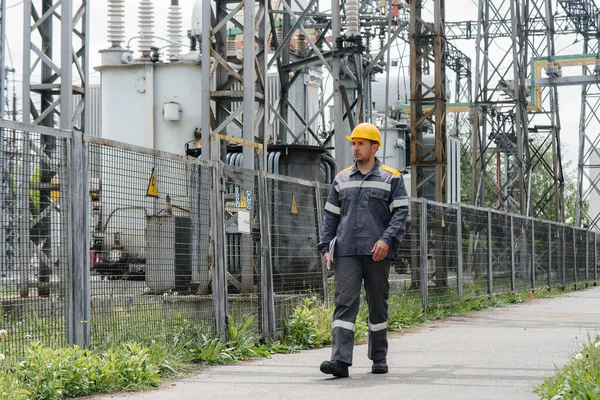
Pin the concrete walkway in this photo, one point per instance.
(495, 354)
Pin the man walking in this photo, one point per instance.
(364, 221)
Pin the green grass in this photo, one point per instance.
(119, 365)
(579, 379)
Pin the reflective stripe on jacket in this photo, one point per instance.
(362, 209)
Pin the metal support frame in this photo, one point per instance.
(588, 172)
(428, 43)
(466, 30)
(48, 92)
(51, 77)
(583, 15)
(503, 160)
(230, 86)
(544, 119)
(500, 161)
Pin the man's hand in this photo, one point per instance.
(380, 250)
(325, 259)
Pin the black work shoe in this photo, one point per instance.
(379, 367)
(335, 368)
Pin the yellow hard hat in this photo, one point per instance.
(366, 131)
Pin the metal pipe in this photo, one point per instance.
(276, 163)
(387, 80)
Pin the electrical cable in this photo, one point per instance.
(14, 5)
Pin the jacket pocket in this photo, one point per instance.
(378, 200)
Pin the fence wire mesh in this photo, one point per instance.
(34, 273)
(154, 240)
(442, 257)
(475, 244)
(296, 263)
(596, 257)
(242, 247)
(569, 255)
(149, 245)
(501, 253)
(558, 256)
(522, 253)
(580, 253)
(405, 271)
(541, 254)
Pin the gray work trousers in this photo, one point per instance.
(349, 274)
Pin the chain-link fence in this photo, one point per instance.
(105, 242)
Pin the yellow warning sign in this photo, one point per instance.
(55, 194)
(152, 190)
(294, 206)
(243, 203)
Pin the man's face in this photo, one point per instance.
(363, 150)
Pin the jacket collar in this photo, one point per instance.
(376, 170)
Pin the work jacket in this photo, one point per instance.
(362, 209)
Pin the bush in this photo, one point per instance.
(47, 373)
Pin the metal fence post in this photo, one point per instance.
(490, 255)
(424, 252)
(78, 225)
(266, 270)
(219, 281)
(595, 259)
(564, 259)
(575, 257)
(459, 249)
(319, 208)
(549, 255)
(587, 258)
(513, 283)
(532, 254)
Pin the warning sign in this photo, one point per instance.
(294, 206)
(152, 190)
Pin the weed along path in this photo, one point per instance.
(494, 354)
